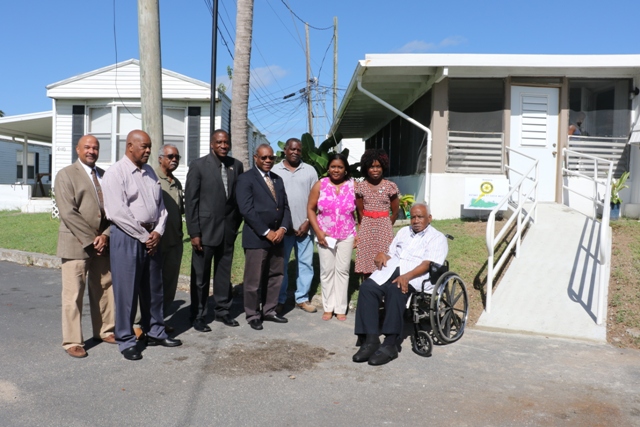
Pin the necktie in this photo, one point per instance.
(225, 181)
(267, 179)
(96, 183)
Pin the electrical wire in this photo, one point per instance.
(302, 20)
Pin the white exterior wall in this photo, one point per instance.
(62, 150)
(102, 84)
(14, 197)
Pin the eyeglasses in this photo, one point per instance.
(172, 156)
(272, 158)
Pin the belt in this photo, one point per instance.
(149, 226)
(375, 214)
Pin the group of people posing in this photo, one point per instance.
(123, 230)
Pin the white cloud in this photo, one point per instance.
(416, 46)
(452, 41)
(420, 46)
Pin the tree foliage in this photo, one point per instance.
(318, 156)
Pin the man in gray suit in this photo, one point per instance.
(213, 219)
(83, 242)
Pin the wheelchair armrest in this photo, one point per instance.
(437, 270)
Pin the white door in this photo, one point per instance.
(534, 132)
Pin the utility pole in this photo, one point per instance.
(214, 55)
(309, 105)
(335, 67)
(150, 74)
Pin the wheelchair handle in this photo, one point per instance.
(448, 236)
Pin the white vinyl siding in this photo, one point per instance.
(124, 81)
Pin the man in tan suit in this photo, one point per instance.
(83, 241)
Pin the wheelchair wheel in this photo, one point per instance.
(422, 343)
(449, 308)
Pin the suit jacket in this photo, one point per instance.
(209, 213)
(260, 211)
(80, 217)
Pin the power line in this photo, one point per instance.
(302, 20)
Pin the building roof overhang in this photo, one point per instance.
(35, 126)
(400, 79)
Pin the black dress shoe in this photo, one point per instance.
(227, 320)
(164, 342)
(385, 354)
(199, 325)
(274, 318)
(132, 353)
(256, 324)
(365, 352)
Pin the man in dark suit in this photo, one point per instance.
(83, 241)
(213, 219)
(263, 204)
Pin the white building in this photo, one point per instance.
(106, 104)
(476, 105)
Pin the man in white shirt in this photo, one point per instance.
(400, 271)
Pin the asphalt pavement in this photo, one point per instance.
(299, 373)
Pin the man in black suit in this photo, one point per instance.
(263, 204)
(213, 219)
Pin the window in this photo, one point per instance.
(173, 122)
(601, 105)
(599, 121)
(475, 138)
(113, 146)
(129, 118)
(100, 127)
(31, 165)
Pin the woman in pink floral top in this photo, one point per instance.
(334, 200)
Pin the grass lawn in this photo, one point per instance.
(467, 257)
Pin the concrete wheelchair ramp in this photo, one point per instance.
(552, 288)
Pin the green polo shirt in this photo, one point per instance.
(173, 201)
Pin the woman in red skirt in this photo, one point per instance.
(375, 196)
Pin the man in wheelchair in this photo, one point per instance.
(400, 272)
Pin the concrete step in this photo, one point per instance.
(552, 288)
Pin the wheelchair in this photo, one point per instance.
(440, 316)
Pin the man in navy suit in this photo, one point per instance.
(212, 223)
(262, 201)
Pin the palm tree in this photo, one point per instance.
(240, 87)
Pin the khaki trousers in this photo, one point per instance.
(334, 275)
(101, 303)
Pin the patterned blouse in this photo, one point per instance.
(335, 211)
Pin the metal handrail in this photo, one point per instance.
(605, 237)
(529, 216)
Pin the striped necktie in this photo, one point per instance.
(225, 179)
(96, 183)
(269, 182)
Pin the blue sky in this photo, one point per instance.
(46, 41)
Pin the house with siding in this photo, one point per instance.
(446, 118)
(106, 103)
(25, 159)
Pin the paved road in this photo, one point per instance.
(296, 374)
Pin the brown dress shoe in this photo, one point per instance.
(109, 339)
(307, 307)
(76, 351)
(138, 332)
